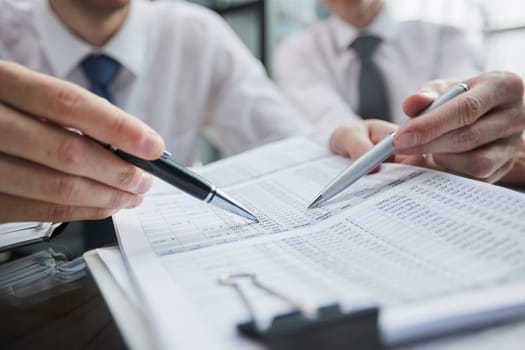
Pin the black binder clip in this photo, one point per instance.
(327, 328)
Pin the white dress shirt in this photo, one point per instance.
(320, 74)
(183, 71)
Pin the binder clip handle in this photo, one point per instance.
(327, 327)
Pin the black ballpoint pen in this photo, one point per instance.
(187, 181)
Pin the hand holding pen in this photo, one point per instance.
(377, 154)
(50, 173)
(187, 181)
(479, 135)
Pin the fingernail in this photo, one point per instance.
(145, 183)
(407, 140)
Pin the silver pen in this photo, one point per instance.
(376, 155)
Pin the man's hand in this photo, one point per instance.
(478, 134)
(49, 173)
(353, 139)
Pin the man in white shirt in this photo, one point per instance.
(182, 69)
(480, 134)
(319, 69)
(199, 76)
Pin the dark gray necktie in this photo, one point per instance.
(100, 71)
(373, 98)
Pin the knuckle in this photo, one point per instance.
(126, 177)
(507, 88)
(71, 152)
(57, 212)
(483, 165)
(67, 100)
(468, 139)
(469, 109)
(65, 189)
(510, 84)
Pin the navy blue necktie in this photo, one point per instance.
(101, 70)
(373, 97)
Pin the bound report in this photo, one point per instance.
(434, 252)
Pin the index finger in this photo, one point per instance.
(69, 105)
(485, 92)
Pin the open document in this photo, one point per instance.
(434, 251)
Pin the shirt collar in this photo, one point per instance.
(65, 51)
(384, 26)
(128, 46)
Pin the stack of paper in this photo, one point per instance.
(435, 252)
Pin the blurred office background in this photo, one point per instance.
(495, 27)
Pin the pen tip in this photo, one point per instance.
(253, 218)
(316, 202)
(225, 202)
(247, 215)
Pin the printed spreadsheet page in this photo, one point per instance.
(429, 248)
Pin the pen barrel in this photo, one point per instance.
(377, 154)
(173, 173)
(445, 97)
(362, 166)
